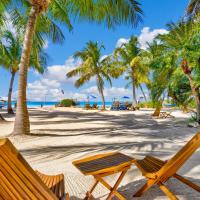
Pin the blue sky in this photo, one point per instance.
(157, 13)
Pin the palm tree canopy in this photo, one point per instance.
(93, 65)
(10, 52)
(130, 56)
(111, 12)
(127, 52)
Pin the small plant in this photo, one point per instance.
(87, 106)
(67, 103)
(193, 118)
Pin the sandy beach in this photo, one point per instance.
(61, 135)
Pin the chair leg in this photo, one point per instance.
(187, 182)
(167, 191)
(116, 185)
(89, 193)
(144, 188)
(112, 190)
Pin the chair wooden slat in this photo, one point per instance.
(100, 163)
(54, 183)
(158, 172)
(19, 181)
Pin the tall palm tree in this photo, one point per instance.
(111, 12)
(93, 66)
(141, 74)
(10, 58)
(184, 40)
(128, 56)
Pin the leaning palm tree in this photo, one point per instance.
(93, 66)
(184, 40)
(162, 65)
(10, 58)
(110, 12)
(128, 56)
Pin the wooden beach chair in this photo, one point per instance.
(102, 165)
(158, 172)
(19, 181)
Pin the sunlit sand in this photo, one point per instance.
(62, 135)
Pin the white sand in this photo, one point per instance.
(63, 135)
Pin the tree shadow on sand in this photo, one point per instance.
(178, 188)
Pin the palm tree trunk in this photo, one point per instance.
(134, 94)
(145, 98)
(22, 124)
(157, 111)
(103, 100)
(195, 90)
(9, 108)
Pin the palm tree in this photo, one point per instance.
(110, 12)
(141, 73)
(128, 56)
(93, 66)
(162, 64)
(184, 40)
(10, 59)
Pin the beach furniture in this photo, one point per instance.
(102, 165)
(165, 115)
(19, 181)
(158, 172)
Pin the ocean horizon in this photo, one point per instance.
(34, 104)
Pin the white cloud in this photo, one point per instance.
(50, 84)
(122, 41)
(109, 93)
(147, 36)
(58, 72)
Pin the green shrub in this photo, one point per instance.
(87, 106)
(67, 103)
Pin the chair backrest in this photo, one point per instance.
(17, 179)
(173, 165)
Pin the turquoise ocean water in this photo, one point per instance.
(33, 104)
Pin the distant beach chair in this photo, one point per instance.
(19, 181)
(158, 172)
(115, 105)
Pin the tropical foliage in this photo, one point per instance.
(10, 53)
(184, 40)
(93, 66)
(129, 57)
(62, 12)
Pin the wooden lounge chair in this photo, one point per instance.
(18, 181)
(158, 172)
(102, 165)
